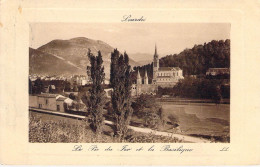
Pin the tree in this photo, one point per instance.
(197, 60)
(72, 96)
(30, 86)
(121, 96)
(96, 100)
(217, 94)
(39, 87)
(67, 86)
(146, 108)
(114, 67)
(75, 88)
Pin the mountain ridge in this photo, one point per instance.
(74, 52)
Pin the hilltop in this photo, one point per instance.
(71, 54)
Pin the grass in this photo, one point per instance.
(61, 131)
(44, 128)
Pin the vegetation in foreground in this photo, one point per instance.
(64, 132)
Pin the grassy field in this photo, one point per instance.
(45, 128)
(201, 119)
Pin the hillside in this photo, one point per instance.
(197, 60)
(47, 64)
(74, 52)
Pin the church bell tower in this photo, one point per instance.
(155, 64)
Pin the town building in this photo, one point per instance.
(53, 102)
(79, 80)
(162, 76)
(218, 71)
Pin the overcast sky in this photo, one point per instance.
(133, 37)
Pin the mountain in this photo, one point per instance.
(47, 64)
(142, 58)
(74, 53)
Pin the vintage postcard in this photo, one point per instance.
(89, 84)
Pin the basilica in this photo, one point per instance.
(162, 76)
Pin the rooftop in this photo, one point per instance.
(169, 68)
(48, 95)
(61, 98)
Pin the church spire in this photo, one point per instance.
(155, 52)
(145, 78)
(155, 63)
(138, 74)
(139, 79)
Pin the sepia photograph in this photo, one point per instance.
(129, 82)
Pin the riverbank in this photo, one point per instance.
(175, 100)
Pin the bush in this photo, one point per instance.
(146, 108)
(135, 137)
(61, 132)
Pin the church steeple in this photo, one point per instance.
(155, 52)
(145, 78)
(155, 59)
(139, 79)
(155, 64)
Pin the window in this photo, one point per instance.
(46, 101)
(58, 107)
(40, 105)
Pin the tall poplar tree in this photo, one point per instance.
(121, 96)
(96, 100)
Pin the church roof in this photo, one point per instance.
(169, 68)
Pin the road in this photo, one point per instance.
(137, 129)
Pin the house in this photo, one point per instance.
(53, 102)
(63, 103)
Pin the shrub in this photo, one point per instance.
(135, 137)
(147, 109)
(61, 132)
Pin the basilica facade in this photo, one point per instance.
(162, 76)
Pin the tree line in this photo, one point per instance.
(120, 82)
(199, 88)
(197, 60)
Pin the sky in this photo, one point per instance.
(170, 38)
